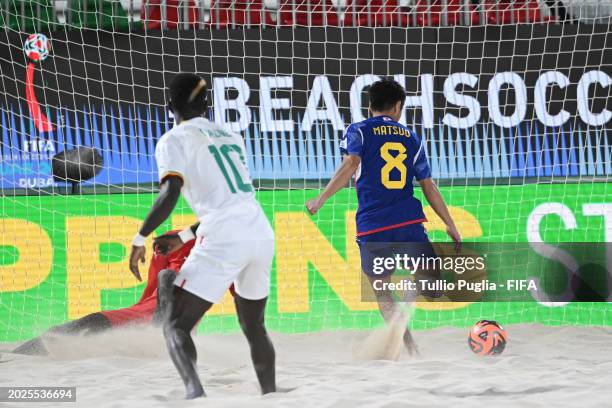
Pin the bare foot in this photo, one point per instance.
(410, 344)
(194, 391)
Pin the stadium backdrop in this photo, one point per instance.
(515, 117)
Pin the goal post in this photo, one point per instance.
(516, 118)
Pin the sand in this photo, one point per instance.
(541, 367)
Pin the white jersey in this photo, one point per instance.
(216, 183)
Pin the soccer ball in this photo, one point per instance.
(487, 338)
(36, 47)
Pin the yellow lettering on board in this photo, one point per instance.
(299, 243)
(34, 255)
(86, 275)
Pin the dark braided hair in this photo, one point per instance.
(188, 95)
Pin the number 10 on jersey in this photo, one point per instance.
(222, 157)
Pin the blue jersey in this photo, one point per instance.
(391, 157)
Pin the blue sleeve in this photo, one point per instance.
(420, 164)
(352, 142)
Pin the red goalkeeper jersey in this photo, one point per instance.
(142, 312)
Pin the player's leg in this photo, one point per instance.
(251, 317)
(90, 324)
(382, 246)
(391, 313)
(252, 287)
(165, 290)
(203, 280)
(413, 241)
(384, 297)
(32, 347)
(186, 309)
(371, 249)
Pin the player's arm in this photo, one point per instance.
(169, 193)
(435, 199)
(351, 147)
(341, 178)
(422, 173)
(170, 160)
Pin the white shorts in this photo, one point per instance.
(212, 267)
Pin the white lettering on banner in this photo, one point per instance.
(239, 104)
(38, 146)
(401, 79)
(550, 251)
(321, 90)
(588, 117)
(268, 104)
(424, 101)
(539, 98)
(35, 182)
(471, 103)
(603, 210)
(322, 103)
(356, 89)
(520, 99)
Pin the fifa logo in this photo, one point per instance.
(38, 146)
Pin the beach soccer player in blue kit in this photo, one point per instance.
(385, 156)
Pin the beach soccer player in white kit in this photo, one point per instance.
(207, 163)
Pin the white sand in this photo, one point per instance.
(541, 367)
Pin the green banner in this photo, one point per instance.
(62, 257)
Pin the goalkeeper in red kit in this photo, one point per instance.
(168, 258)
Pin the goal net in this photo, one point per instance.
(514, 107)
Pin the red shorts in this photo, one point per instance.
(140, 313)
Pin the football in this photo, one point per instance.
(487, 338)
(37, 47)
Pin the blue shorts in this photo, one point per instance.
(410, 241)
